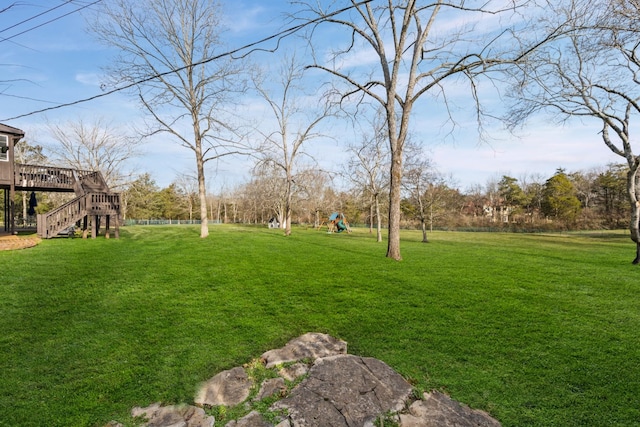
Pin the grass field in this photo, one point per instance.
(538, 330)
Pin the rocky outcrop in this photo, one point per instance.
(345, 390)
(314, 383)
(228, 388)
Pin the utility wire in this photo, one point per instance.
(280, 35)
(49, 21)
(36, 16)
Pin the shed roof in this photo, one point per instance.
(9, 130)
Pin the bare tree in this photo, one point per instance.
(417, 47)
(591, 73)
(167, 50)
(367, 167)
(28, 154)
(270, 188)
(95, 146)
(297, 124)
(421, 185)
(313, 183)
(188, 185)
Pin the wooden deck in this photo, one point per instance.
(93, 197)
(46, 178)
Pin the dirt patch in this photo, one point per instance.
(10, 243)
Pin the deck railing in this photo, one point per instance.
(52, 222)
(80, 181)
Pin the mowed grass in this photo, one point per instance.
(538, 330)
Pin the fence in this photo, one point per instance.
(166, 222)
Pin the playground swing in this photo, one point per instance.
(338, 223)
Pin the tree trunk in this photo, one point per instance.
(287, 210)
(202, 188)
(371, 214)
(634, 224)
(393, 240)
(378, 220)
(424, 230)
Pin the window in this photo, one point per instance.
(4, 148)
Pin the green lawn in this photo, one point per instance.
(538, 330)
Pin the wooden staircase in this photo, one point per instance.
(93, 200)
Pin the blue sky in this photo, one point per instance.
(60, 62)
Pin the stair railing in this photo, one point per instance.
(53, 222)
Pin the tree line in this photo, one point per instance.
(581, 200)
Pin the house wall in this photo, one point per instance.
(6, 159)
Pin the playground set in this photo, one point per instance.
(337, 223)
(93, 198)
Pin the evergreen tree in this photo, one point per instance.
(559, 198)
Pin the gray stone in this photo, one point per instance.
(338, 390)
(439, 410)
(312, 345)
(252, 419)
(293, 372)
(228, 388)
(173, 416)
(345, 390)
(270, 387)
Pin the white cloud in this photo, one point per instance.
(543, 150)
(89, 79)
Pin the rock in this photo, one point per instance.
(252, 419)
(345, 390)
(439, 410)
(228, 388)
(270, 387)
(293, 372)
(338, 390)
(312, 345)
(173, 416)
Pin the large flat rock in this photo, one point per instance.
(345, 390)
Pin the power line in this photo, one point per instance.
(36, 16)
(49, 21)
(280, 35)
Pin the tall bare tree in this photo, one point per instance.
(419, 177)
(418, 47)
(367, 168)
(269, 187)
(188, 186)
(167, 49)
(297, 123)
(591, 73)
(95, 145)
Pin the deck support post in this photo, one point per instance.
(94, 226)
(85, 226)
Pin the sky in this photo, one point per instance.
(52, 59)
